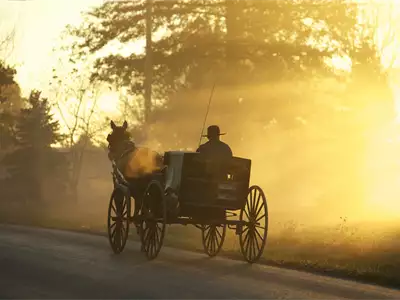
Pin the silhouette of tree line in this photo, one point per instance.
(27, 134)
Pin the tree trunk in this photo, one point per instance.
(148, 64)
(232, 35)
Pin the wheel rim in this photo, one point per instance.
(154, 214)
(254, 216)
(118, 220)
(213, 237)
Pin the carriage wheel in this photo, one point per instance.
(213, 237)
(118, 220)
(154, 214)
(254, 219)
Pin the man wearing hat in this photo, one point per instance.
(215, 148)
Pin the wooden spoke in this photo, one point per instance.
(118, 220)
(213, 237)
(154, 215)
(252, 241)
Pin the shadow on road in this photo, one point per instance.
(253, 273)
(129, 257)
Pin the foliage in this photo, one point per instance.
(7, 125)
(10, 104)
(34, 163)
(7, 74)
(203, 40)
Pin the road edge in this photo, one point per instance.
(371, 278)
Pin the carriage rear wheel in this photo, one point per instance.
(118, 220)
(254, 222)
(213, 237)
(154, 216)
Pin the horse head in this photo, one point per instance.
(118, 137)
(131, 160)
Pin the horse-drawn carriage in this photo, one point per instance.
(183, 188)
(190, 189)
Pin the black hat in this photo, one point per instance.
(213, 130)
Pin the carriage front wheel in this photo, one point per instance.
(254, 224)
(118, 220)
(154, 217)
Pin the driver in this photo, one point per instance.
(215, 148)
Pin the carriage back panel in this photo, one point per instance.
(210, 183)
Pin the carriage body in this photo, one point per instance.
(207, 192)
(202, 183)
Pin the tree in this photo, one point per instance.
(7, 83)
(34, 165)
(373, 59)
(76, 101)
(260, 40)
(7, 44)
(7, 73)
(10, 104)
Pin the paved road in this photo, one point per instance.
(37, 263)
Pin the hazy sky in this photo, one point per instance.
(38, 24)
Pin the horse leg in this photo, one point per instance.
(140, 190)
(138, 224)
(136, 212)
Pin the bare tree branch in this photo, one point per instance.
(7, 44)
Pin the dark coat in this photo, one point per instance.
(215, 149)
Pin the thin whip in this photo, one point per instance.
(208, 108)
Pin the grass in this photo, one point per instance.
(348, 251)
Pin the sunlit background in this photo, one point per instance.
(39, 23)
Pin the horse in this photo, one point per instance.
(138, 165)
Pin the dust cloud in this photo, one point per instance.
(141, 162)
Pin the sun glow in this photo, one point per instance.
(382, 172)
(108, 104)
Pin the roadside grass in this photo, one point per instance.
(359, 252)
